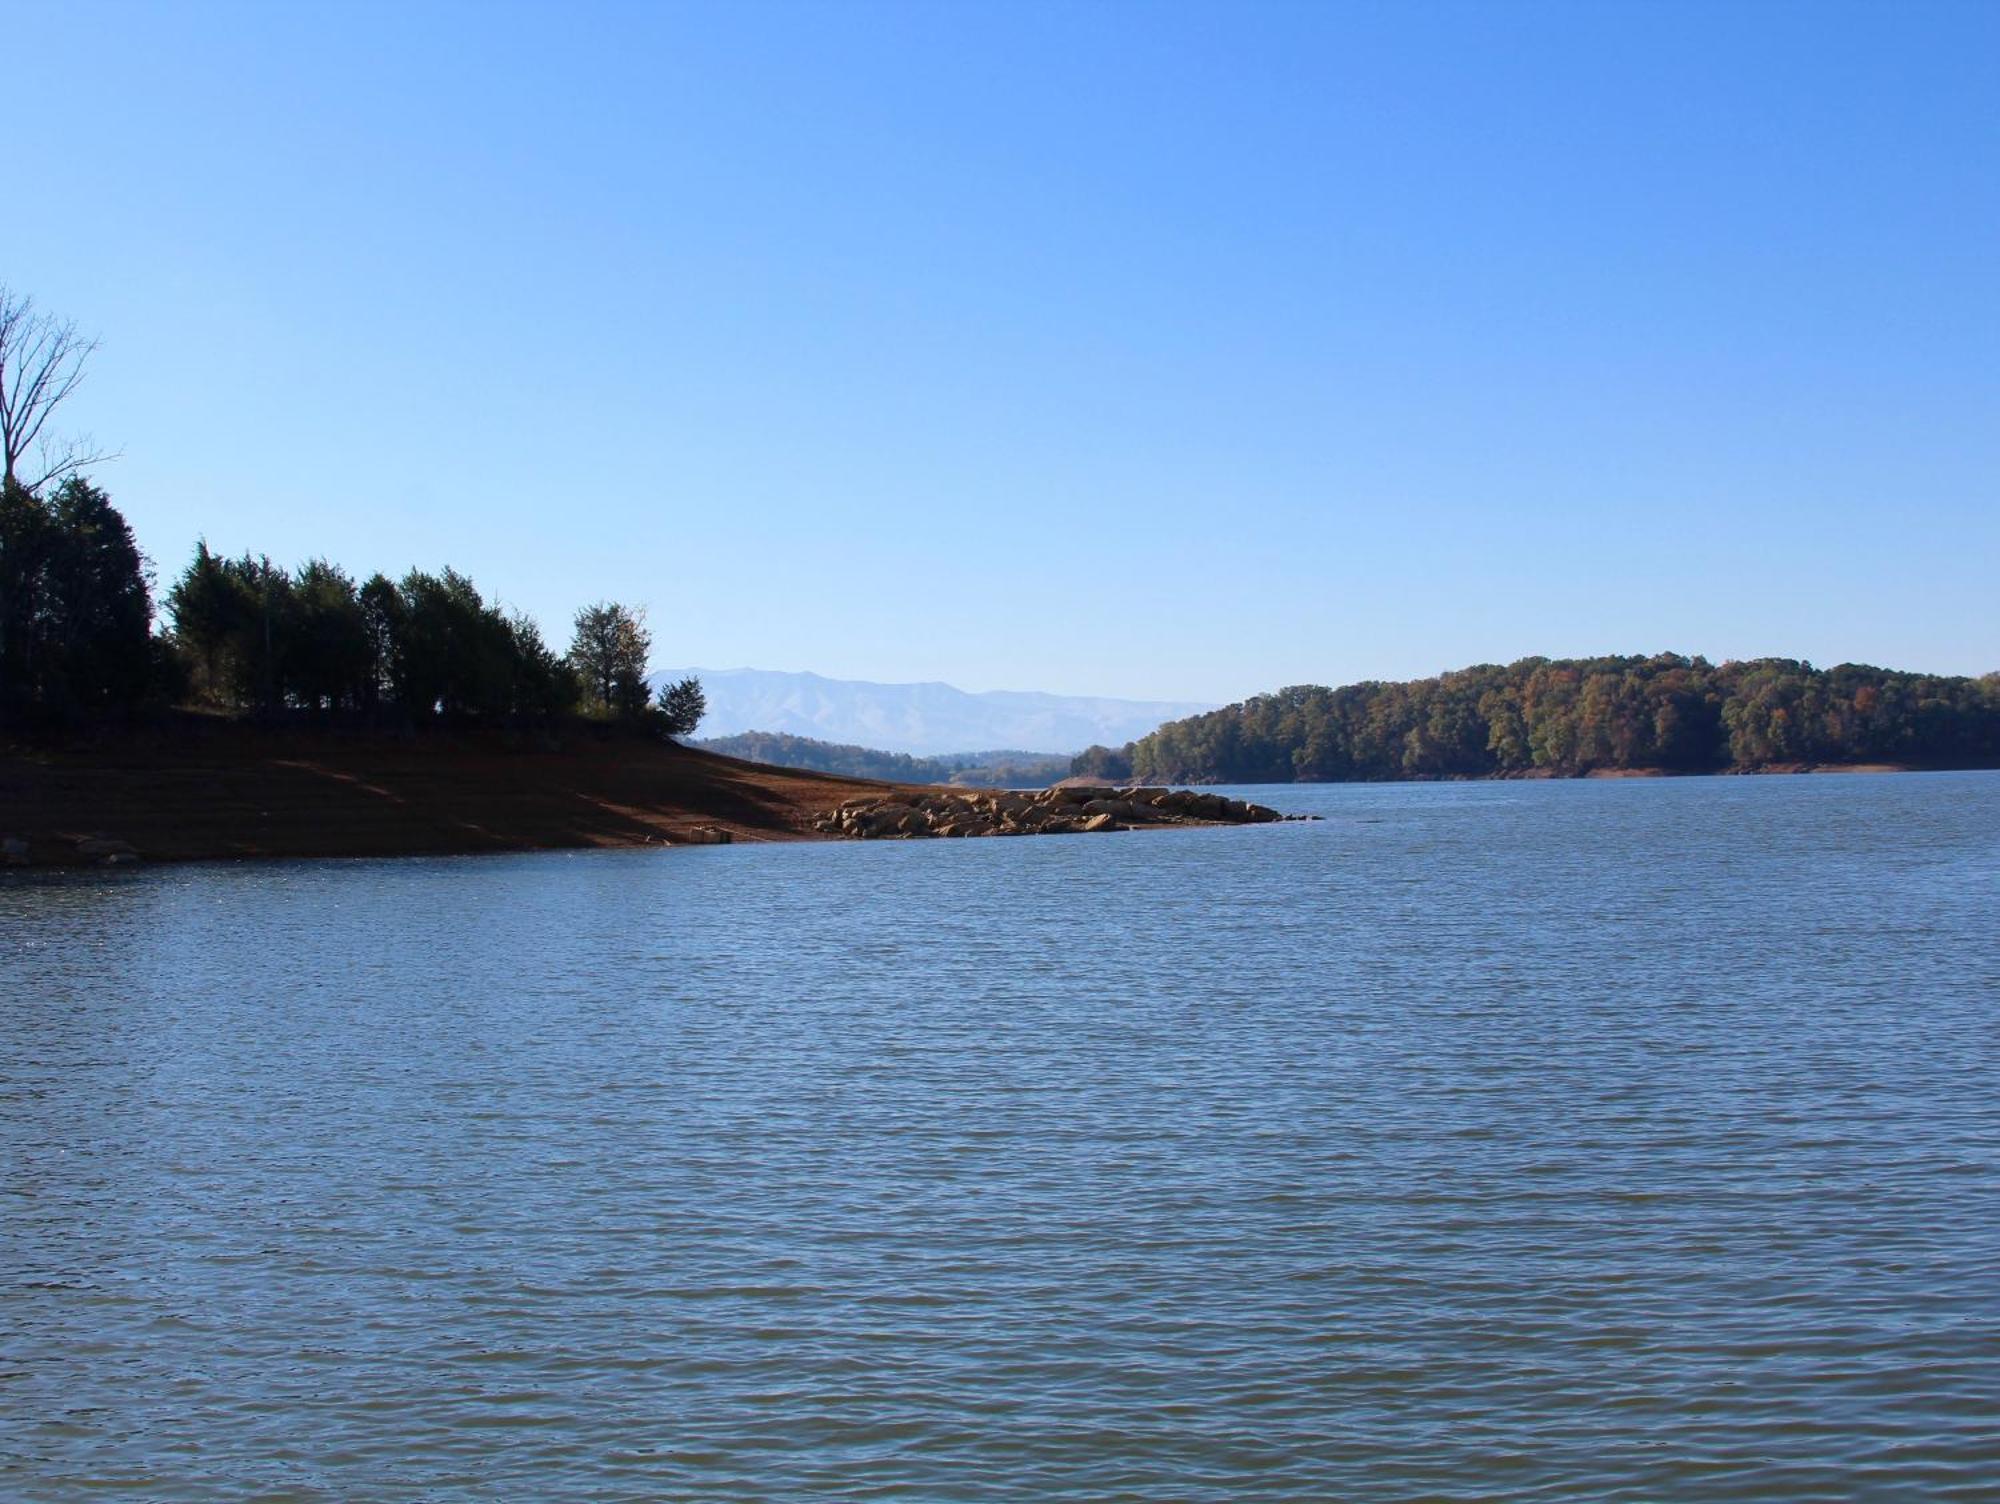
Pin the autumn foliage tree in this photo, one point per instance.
(1564, 717)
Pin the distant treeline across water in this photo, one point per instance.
(1574, 716)
(1014, 770)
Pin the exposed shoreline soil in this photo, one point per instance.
(230, 790)
(207, 788)
(211, 789)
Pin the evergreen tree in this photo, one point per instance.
(75, 606)
(682, 705)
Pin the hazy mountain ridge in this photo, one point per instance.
(925, 720)
(991, 769)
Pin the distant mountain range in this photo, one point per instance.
(926, 720)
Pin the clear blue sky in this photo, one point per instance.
(1129, 349)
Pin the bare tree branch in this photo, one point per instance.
(42, 361)
(59, 459)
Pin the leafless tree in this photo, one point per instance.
(41, 364)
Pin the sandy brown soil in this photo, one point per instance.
(231, 790)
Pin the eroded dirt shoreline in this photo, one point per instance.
(227, 790)
(234, 791)
(209, 789)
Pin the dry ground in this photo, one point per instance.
(224, 789)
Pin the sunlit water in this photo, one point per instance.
(1626, 1141)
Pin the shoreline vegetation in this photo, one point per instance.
(302, 712)
(298, 713)
(1577, 718)
(270, 711)
(198, 787)
(295, 713)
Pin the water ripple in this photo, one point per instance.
(1624, 1142)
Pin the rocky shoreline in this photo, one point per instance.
(214, 789)
(1064, 810)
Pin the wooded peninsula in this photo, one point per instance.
(299, 711)
(1574, 717)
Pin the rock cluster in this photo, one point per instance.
(1058, 811)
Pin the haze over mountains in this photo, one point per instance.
(926, 720)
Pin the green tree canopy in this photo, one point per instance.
(682, 705)
(75, 606)
(1566, 717)
(428, 646)
(609, 653)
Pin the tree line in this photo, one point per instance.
(262, 639)
(1010, 770)
(1569, 717)
(247, 636)
(76, 638)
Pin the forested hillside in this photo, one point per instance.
(1574, 716)
(973, 769)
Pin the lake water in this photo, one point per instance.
(1612, 1141)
